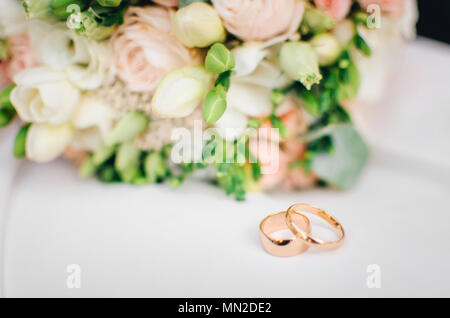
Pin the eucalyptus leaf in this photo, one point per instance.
(343, 165)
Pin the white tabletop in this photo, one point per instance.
(195, 242)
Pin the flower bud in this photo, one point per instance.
(316, 21)
(46, 142)
(327, 48)
(154, 166)
(38, 9)
(219, 59)
(109, 3)
(181, 91)
(214, 105)
(85, 24)
(61, 9)
(198, 25)
(299, 61)
(128, 127)
(127, 161)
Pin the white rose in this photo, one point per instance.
(12, 18)
(93, 120)
(43, 95)
(47, 142)
(88, 63)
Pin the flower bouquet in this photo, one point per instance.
(257, 94)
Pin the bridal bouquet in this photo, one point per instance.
(257, 94)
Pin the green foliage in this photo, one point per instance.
(183, 3)
(20, 142)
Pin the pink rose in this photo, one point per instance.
(145, 50)
(262, 19)
(337, 9)
(393, 7)
(167, 3)
(21, 54)
(5, 80)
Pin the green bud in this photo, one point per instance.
(102, 154)
(127, 161)
(88, 168)
(155, 167)
(128, 128)
(6, 116)
(219, 59)
(38, 9)
(61, 8)
(4, 51)
(361, 17)
(85, 24)
(276, 97)
(299, 61)
(20, 142)
(316, 21)
(214, 105)
(4, 97)
(109, 3)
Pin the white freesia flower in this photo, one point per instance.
(12, 18)
(181, 91)
(93, 120)
(47, 142)
(86, 62)
(251, 88)
(43, 95)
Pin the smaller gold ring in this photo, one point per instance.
(283, 247)
(305, 236)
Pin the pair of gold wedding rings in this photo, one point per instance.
(300, 226)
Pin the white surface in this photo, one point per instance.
(194, 242)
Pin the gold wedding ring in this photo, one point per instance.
(305, 236)
(300, 226)
(283, 247)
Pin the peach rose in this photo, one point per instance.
(145, 50)
(21, 54)
(167, 3)
(337, 9)
(287, 151)
(5, 80)
(393, 7)
(262, 19)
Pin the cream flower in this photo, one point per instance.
(260, 20)
(43, 95)
(337, 9)
(46, 142)
(145, 50)
(12, 18)
(93, 120)
(86, 62)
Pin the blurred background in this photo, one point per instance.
(435, 19)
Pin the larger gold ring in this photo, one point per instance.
(305, 236)
(283, 247)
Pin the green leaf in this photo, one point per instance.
(5, 97)
(349, 87)
(20, 142)
(362, 45)
(277, 123)
(214, 105)
(102, 154)
(224, 80)
(6, 116)
(310, 102)
(219, 59)
(343, 165)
